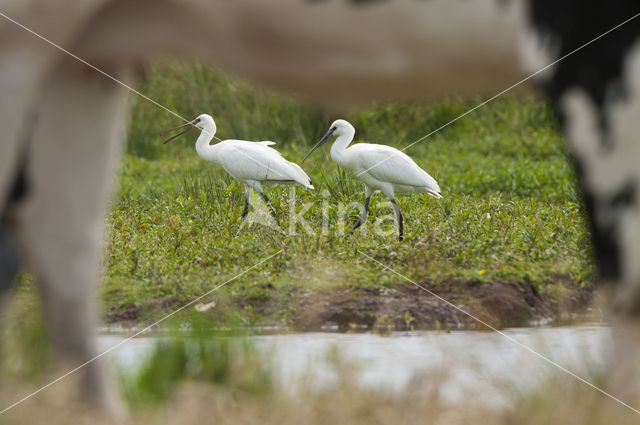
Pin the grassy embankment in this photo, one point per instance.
(508, 241)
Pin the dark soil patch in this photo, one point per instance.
(405, 306)
(401, 306)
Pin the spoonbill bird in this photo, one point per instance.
(379, 167)
(252, 163)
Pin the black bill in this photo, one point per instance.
(324, 139)
(190, 126)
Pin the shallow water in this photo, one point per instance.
(486, 366)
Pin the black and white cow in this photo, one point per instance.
(595, 92)
(61, 121)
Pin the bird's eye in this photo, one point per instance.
(334, 128)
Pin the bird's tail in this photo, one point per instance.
(436, 195)
(301, 176)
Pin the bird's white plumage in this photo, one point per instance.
(256, 161)
(253, 163)
(379, 166)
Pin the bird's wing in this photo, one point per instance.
(388, 164)
(257, 161)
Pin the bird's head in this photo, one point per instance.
(337, 128)
(204, 122)
(340, 127)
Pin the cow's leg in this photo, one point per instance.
(19, 79)
(607, 164)
(61, 221)
(9, 259)
(26, 61)
(603, 138)
(20, 75)
(597, 94)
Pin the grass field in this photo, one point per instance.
(511, 222)
(510, 214)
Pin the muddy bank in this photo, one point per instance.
(405, 306)
(398, 307)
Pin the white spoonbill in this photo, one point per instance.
(252, 163)
(379, 167)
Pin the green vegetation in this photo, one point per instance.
(25, 351)
(197, 354)
(511, 216)
(511, 212)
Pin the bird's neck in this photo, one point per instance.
(203, 148)
(340, 145)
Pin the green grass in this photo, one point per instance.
(196, 354)
(511, 210)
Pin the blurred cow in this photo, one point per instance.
(62, 122)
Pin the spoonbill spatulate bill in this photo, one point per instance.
(381, 168)
(252, 163)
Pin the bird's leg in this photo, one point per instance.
(365, 211)
(269, 205)
(245, 211)
(399, 216)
